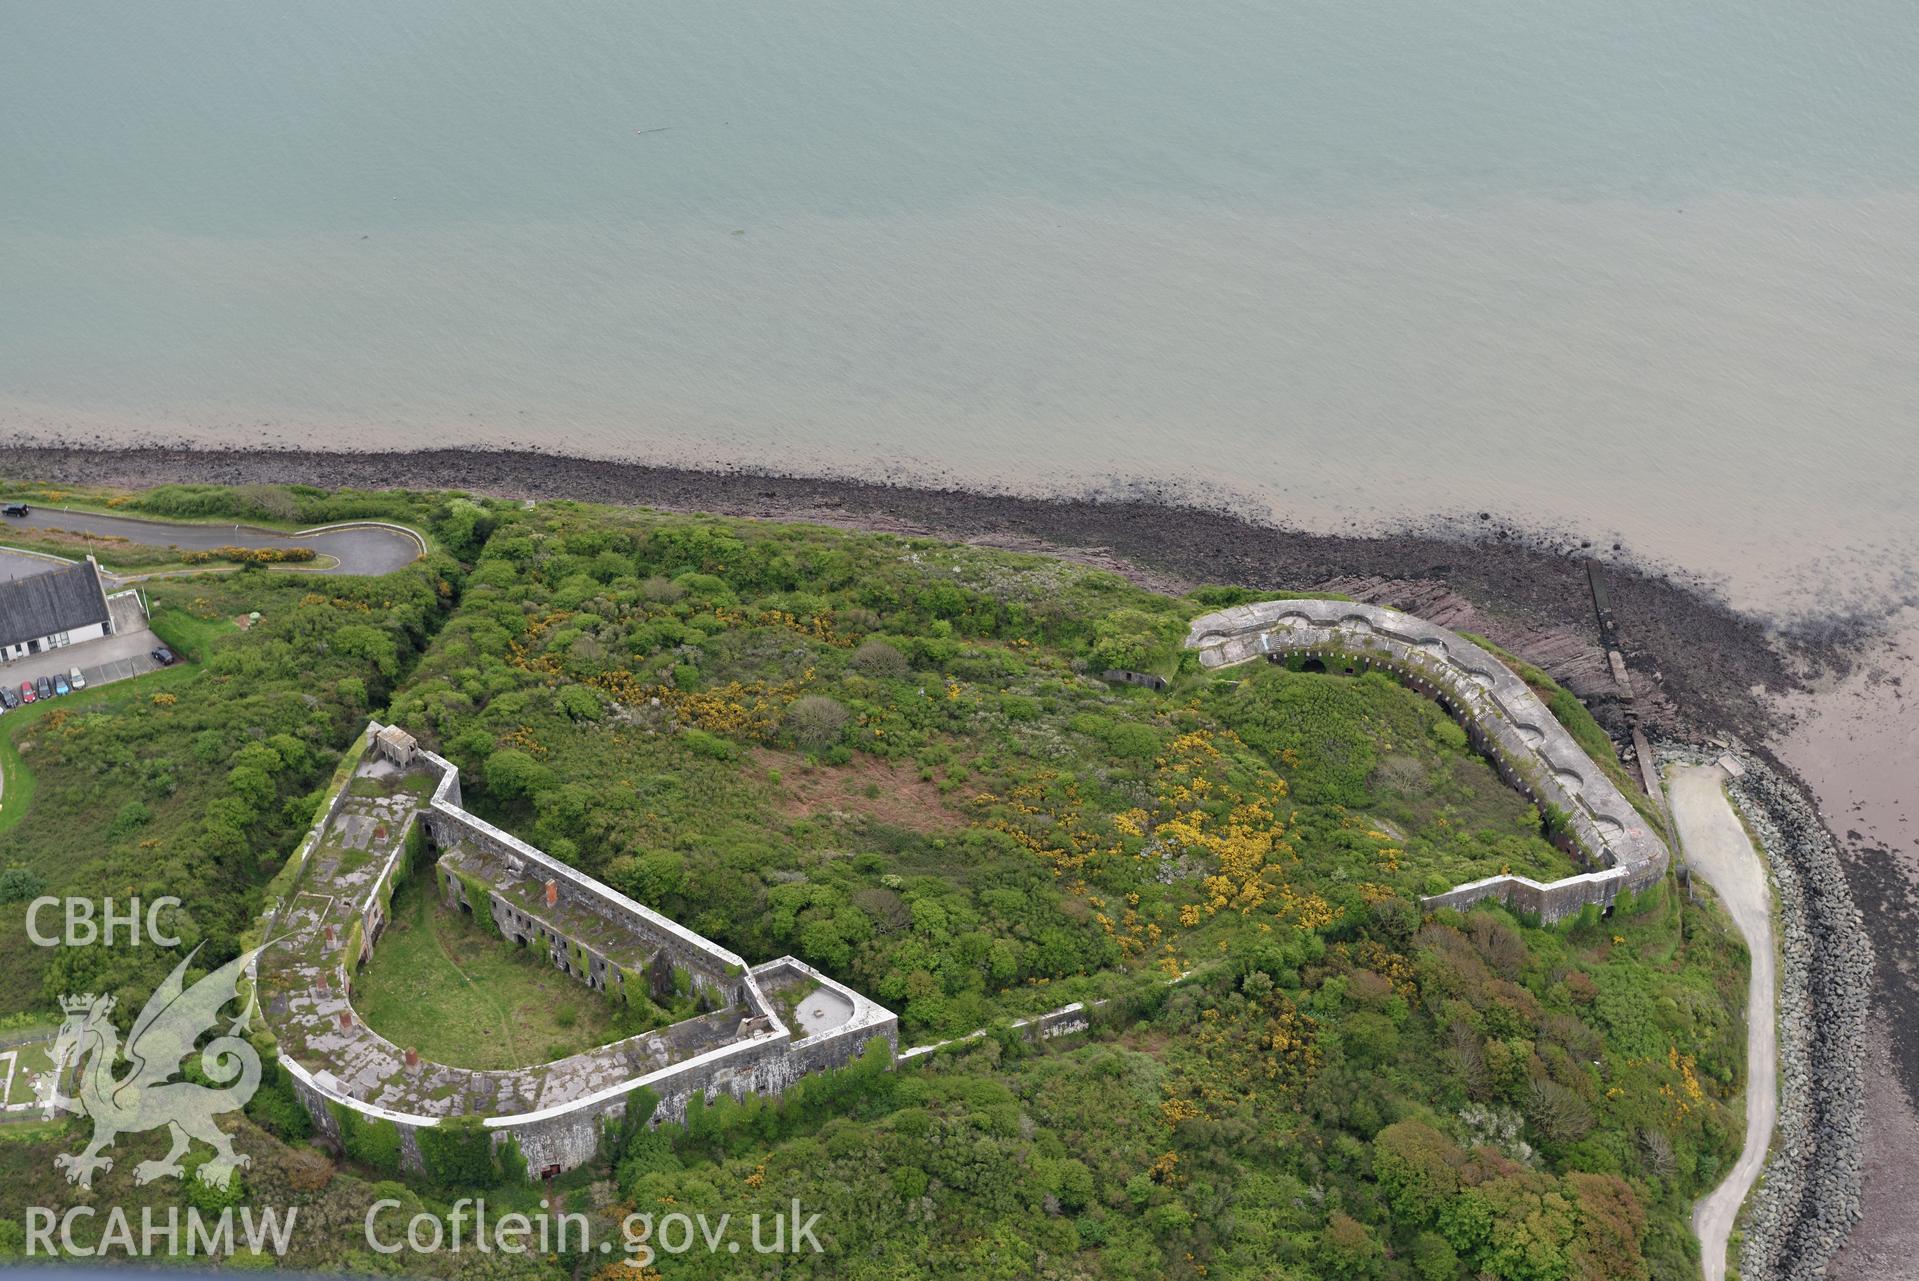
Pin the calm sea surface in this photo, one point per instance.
(1644, 269)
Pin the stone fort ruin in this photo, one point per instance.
(1502, 718)
(395, 806)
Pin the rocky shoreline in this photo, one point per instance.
(1701, 667)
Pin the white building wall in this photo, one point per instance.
(92, 631)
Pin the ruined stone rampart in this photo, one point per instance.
(555, 1113)
(1501, 715)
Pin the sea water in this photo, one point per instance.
(1645, 270)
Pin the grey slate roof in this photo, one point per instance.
(57, 601)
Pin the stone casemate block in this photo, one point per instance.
(1500, 713)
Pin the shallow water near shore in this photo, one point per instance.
(1643, 272)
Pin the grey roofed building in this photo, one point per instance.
(59, 607)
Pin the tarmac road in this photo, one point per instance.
(360, 549)
(1717, 849)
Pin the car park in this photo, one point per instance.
(27, 694)
(43, 687)
(75, 679)
(163, 656)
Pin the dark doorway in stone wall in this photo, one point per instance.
(1312, 665)
(466, 907)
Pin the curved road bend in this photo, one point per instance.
(360, 549)
(364, 550)
(1717, 848)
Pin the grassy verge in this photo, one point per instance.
(19, 786)
(16, 780)
(187, 635)
(117, 555)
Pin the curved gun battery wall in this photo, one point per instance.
(1501, 714)
(329, 921)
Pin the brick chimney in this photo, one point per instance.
(412, 1057)
(552, 893)
(346, 1018)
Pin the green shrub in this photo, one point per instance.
(458, 1153)
(372, 1141)
(275, 1107)
(19, 884)
(878, 659)
(206, 1197)
(815, 722)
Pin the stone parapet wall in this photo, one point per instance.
(1502, 716)
(1548, 900)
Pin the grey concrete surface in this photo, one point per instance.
(103, 661)
(360, 550)
(1719, 852)
(16, 564)
(822, 1011)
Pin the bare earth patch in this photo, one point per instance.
(901, 798)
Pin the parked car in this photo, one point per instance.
(60, 685)
(16, 509)
(75, 679)
(163, 656)
(8, 697)
(43, 687)
(26, 692)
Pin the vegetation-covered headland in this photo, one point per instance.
(895, 759)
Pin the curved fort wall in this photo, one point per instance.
(374, 828)
(1501, 715)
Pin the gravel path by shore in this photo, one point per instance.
(1716, 849)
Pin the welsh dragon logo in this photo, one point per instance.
(143, 1097)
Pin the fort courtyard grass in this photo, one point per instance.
(441, 984)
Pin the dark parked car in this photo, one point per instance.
(163, 656)
(60, 685)
(43, 687)
(16, 509)
(26, 692)
(8, 697)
